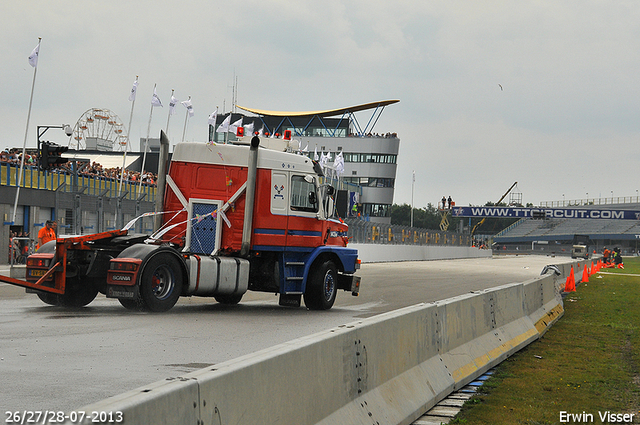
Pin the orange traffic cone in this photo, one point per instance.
(585, 275)
(593, 270)
(570, 285)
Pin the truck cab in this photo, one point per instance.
(296, 246)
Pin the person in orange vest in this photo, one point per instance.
(47, 233)
(605, 255)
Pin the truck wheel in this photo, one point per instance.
(49, 298)
(78, 293)
(322, 286)
(161, 283)
(229, 299)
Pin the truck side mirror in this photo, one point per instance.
(330, 190)
(312, 198)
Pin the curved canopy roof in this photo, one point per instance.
(327, 113)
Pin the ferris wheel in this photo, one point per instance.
(99, 129)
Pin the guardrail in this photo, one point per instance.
(33, 178)
(388, 369)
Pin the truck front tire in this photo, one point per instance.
(161, 283)
(322, 286)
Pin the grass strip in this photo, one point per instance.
(587, 364)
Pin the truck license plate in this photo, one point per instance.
(37, 273)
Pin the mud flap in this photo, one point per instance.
(290, 300)
(127, 292)
(349, 282)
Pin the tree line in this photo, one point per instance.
(429, 217)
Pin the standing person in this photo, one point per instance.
(449, 201)
(444, 202)
(618, 258)
(605, 255)
(47, 233)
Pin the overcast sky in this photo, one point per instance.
(544, 93)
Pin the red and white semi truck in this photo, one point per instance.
(235, 217)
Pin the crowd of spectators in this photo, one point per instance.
(386, 135)
(96, 170)
(86, 169)
(19, 246)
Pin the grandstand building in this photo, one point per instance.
(555, 235)
(370, 159)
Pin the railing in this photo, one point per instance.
(592, 201)
(33, 178)
(20, 249)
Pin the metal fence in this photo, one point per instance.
(361, 231)
(33, 178)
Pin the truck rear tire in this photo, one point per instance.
(49, 298)
(131, 304)
(78, 293)
(322, 286)
(161, 283)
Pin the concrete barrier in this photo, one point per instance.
(388, 369)
(384, 253)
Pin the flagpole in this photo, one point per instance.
(226, 133)
(215, 122)
(146, 142)
(26, 132)
(124, 157)
(413, 183)
(186, 117)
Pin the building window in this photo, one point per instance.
(370, 181)
(369, 157)
(377, 210)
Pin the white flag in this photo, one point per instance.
(339, 164)
(213, 118)
(132, 96)
(33, 57)
(155, 100)
(172, 105)
(323, 160)
(225, 125)
(315, 154)
(234, 127)
(248, 129)
(261, 132)
(187, 104)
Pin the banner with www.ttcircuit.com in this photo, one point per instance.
(521, 212)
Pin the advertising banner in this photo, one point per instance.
(521, 212)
